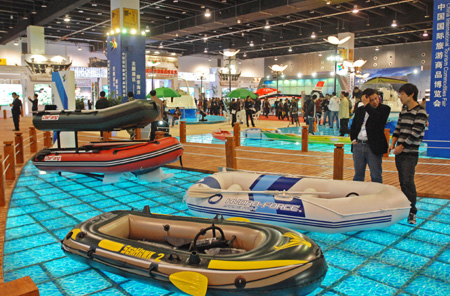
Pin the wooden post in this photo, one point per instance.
(33, 140)
(237, 134)
(387, 134)
(4, 114)
(2, 183)
(138, 134)
(182, 131)
(230, 153)
(18, 144)
(20, 287)
(159, 135)
(106, 136)
(305, 138)
(47, 139)
(10, 165)
(338, 168)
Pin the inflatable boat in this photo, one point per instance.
(221, 135)
(311, 138)
(198, 255)
(310, 204)
(138, 157)
(134, 114)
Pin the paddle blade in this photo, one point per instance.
(192, 283)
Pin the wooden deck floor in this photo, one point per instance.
(432, 175)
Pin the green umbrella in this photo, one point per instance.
(241, 93)
(165, 92)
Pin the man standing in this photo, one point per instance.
(367, 135)
(131, 131)
(34, 107)
(16, 110)
(154, 124)
(405, 144)
(249, 110)
(334, 110)
(102, 102)
(326, 112)
(234, 108)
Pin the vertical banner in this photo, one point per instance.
(126, 65)
(437, 136)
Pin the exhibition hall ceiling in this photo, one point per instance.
(258, 28)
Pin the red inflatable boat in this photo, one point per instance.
(221, 135)
(110, 157)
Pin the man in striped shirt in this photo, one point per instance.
(406, 141)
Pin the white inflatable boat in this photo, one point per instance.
(319, 205)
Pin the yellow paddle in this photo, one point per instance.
(190, 282)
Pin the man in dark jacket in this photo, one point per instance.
(102, 102)
(249, 110)
(234, 108)
(367, 134)
(16, 110)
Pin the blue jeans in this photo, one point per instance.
(334, 115)
(406, 167)
(311, 124)
(326, 117)
(362, 155)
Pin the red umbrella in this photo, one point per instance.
(265, 91)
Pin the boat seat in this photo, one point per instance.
(152, 230)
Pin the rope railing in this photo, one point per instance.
(5, 160)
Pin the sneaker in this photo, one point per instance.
(412, 218)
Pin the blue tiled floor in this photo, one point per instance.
(267, 143)
(399, 260)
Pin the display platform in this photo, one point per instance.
(401, 259)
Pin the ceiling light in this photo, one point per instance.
(156, 52)
(313, 35)
(299, 75)
(67, 18)
(206, 50)
(147, 51)
(207, 12)
(133, 31)
(425, 34)
(172, 53)
(161, 45)
(245, 55)
(79, 48)
(238, 21)
(328, 2)
(332, 73)
(276, 59)
(320, 54)
(175, 1)
(267, 26)
(25, 17)
(16, 43)
(377, 48)
(33, 12)
(117, 30)
(147, 29)
(251, 43)
(290, 49)
(314, 74)
(94, 4)
(355, 9)
(394, 23)
(80, 11)
(43, 5)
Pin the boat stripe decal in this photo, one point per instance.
(75, 233)
(251, 265)
(297, 221)
(110, 245)
(109, 163)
